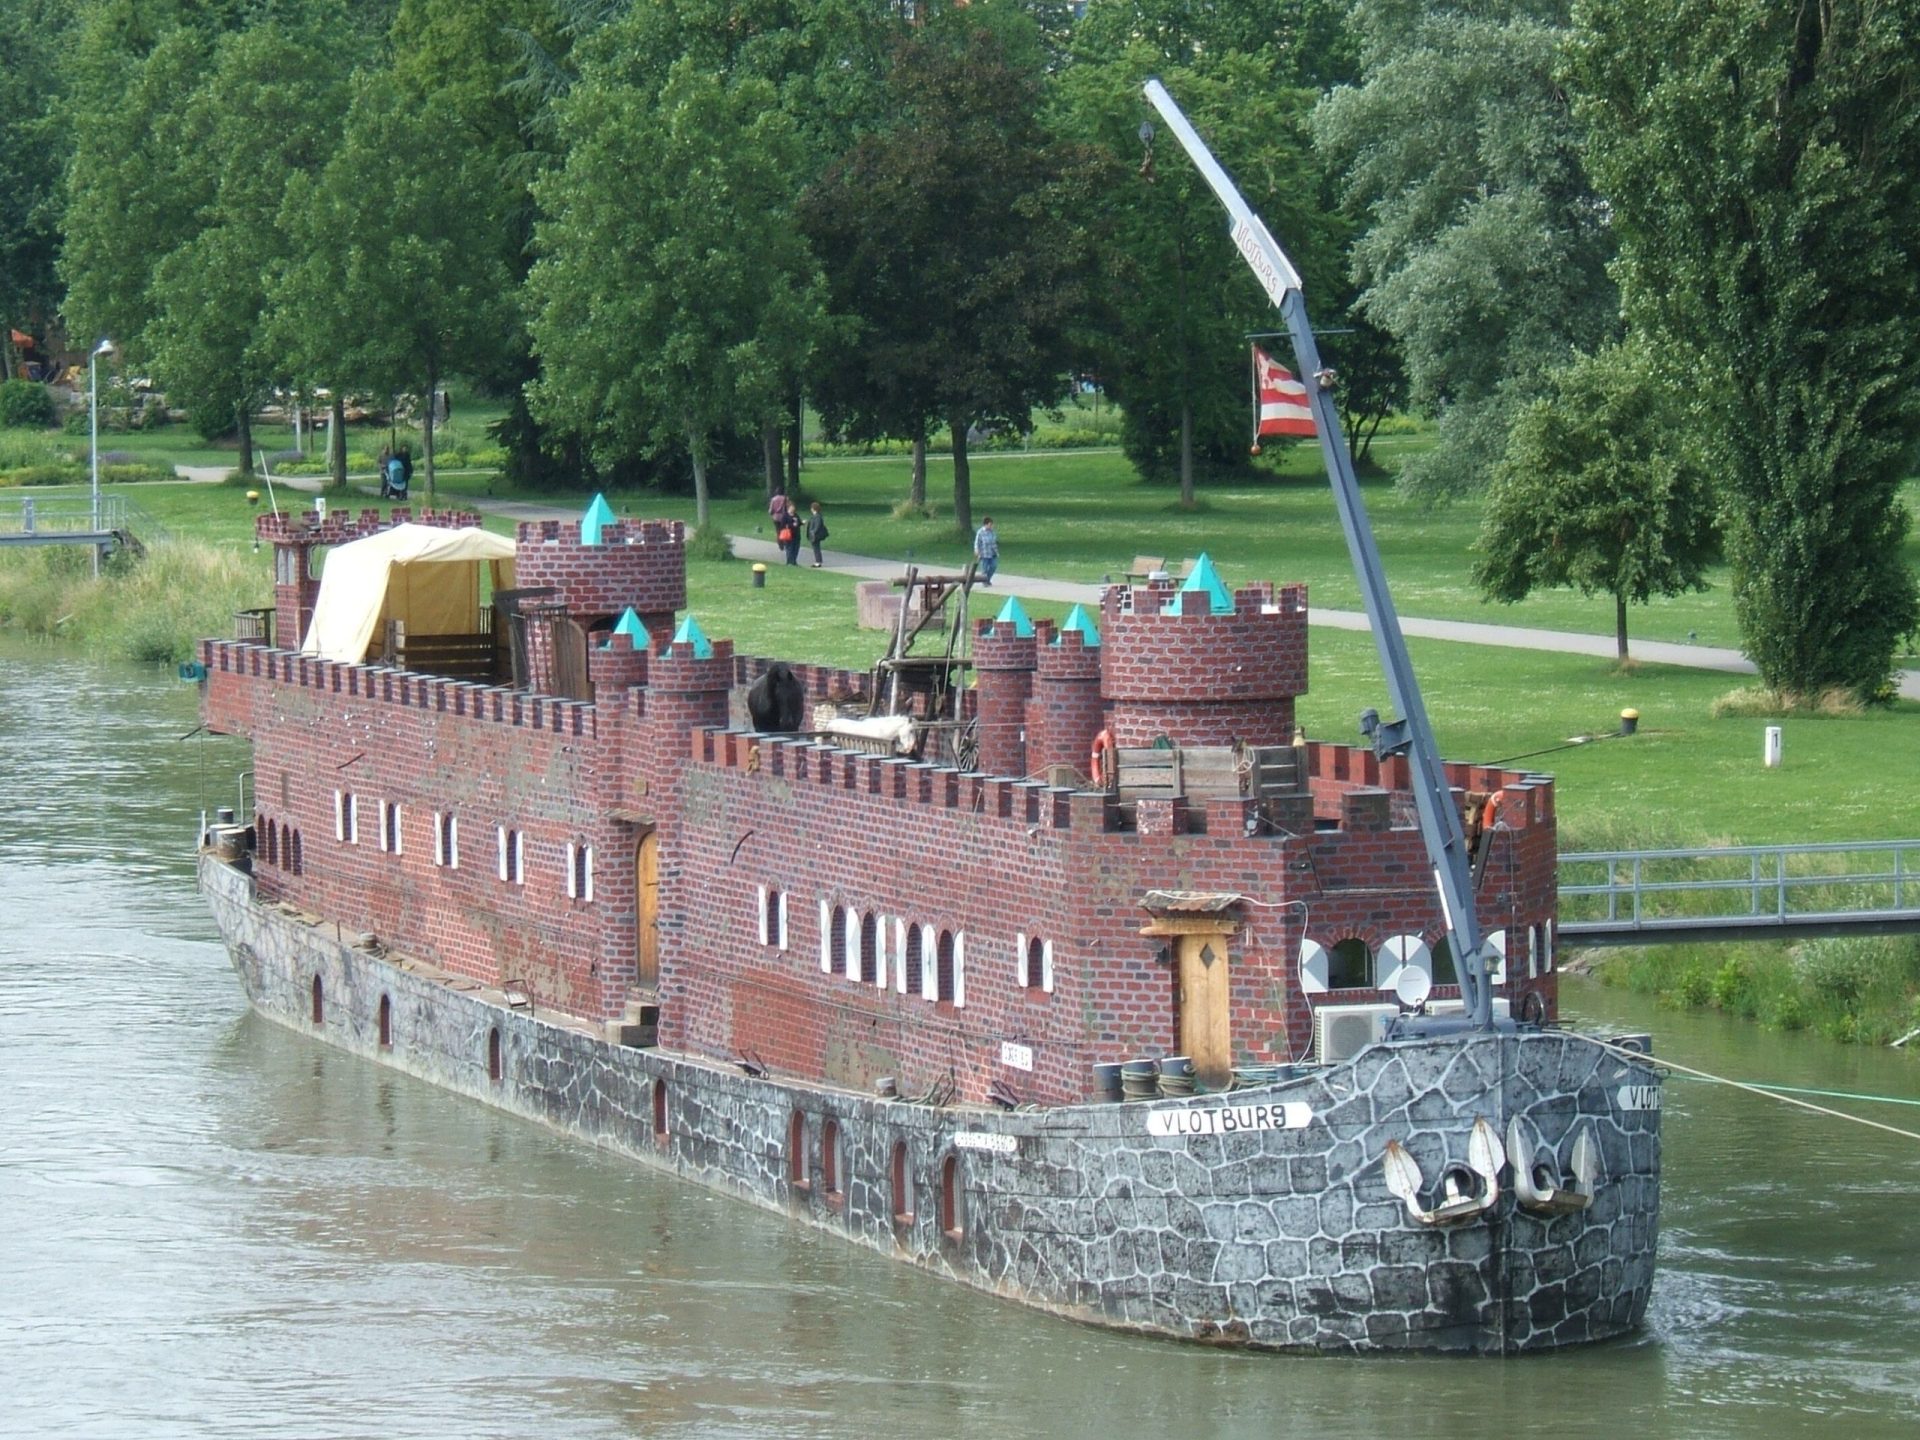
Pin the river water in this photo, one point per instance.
(212, 1226)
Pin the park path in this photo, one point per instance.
(1067, 592)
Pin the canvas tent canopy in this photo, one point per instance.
(420, 574)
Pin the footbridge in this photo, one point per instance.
(37, 520)
(1742, 892)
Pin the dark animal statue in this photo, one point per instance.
(776, 701)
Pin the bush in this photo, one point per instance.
(49, 474)
(712, 543)
(26, 403)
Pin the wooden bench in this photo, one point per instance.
(1144, 567)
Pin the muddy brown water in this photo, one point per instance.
(212, 1226)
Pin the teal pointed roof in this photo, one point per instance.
(629, 625)
(599, 514)
(1013, 614)
(1079, 619)
(690, 633)
(1206, 579)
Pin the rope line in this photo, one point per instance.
(1764, 1091)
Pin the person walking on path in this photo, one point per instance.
(786, 523)
(816, 532)
(986, 549)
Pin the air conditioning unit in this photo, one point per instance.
(1342, 1031)
(1501, 1009)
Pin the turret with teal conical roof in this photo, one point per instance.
(691, 634)
(1206, 580)
(592, 524)
(1078, 620)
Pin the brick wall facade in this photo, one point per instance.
(742, 820)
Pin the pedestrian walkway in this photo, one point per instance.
(1067, 592)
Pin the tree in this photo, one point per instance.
(1485, 247)
(948, 251)
(670, 296)
(1178, 301)
(396, 288)
(1603, 489)
(32, 154)
(268, 107)
(1763, 164)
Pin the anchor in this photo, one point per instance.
(1458, 1202)
(1537, 1183)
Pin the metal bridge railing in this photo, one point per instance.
(62, 515)
(1740, 888)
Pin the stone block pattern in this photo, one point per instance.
(1271, 1239)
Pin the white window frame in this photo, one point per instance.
(929, 963)
(850, 944)
(900, 953)
(959, 969)
(512, 855)
(390, 828)
(446, 840)
(880, 928)
(579, 872)
(826, 938)
(346, 818)
(781, 943)
(760, 912)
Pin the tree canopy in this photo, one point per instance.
(1602, 488)
(1763, 167)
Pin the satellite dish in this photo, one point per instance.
(1412, 984)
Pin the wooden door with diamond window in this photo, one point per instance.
(1205, 1035)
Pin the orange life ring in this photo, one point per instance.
(1492, 811)
(1097, 760)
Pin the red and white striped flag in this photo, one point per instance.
(1282, 400)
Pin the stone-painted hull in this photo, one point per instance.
(1270, 1238)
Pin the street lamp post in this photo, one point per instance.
(105, 347)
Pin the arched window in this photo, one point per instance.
(832, 1156)
(911, 963)
(944, 967)
(869, 948)
(269, 842)
(839, 943)
(319, 1002)
(953, 1200)
(299, 856)
(797, 1150)
(902, 1185)
(386, 1020)
(1349, 965)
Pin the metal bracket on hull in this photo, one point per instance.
(1460, 1199)
(1537, 1182)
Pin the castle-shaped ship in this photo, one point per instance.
(514, 832)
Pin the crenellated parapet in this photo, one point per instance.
(1065, 711)
(1003, 667)
(337, 527)
(638, 564)
(1180, 666)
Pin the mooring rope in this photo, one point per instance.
(1765, 1091)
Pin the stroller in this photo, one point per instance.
(393, 479)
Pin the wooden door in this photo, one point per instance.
(646, 868)
(1204, 1033)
